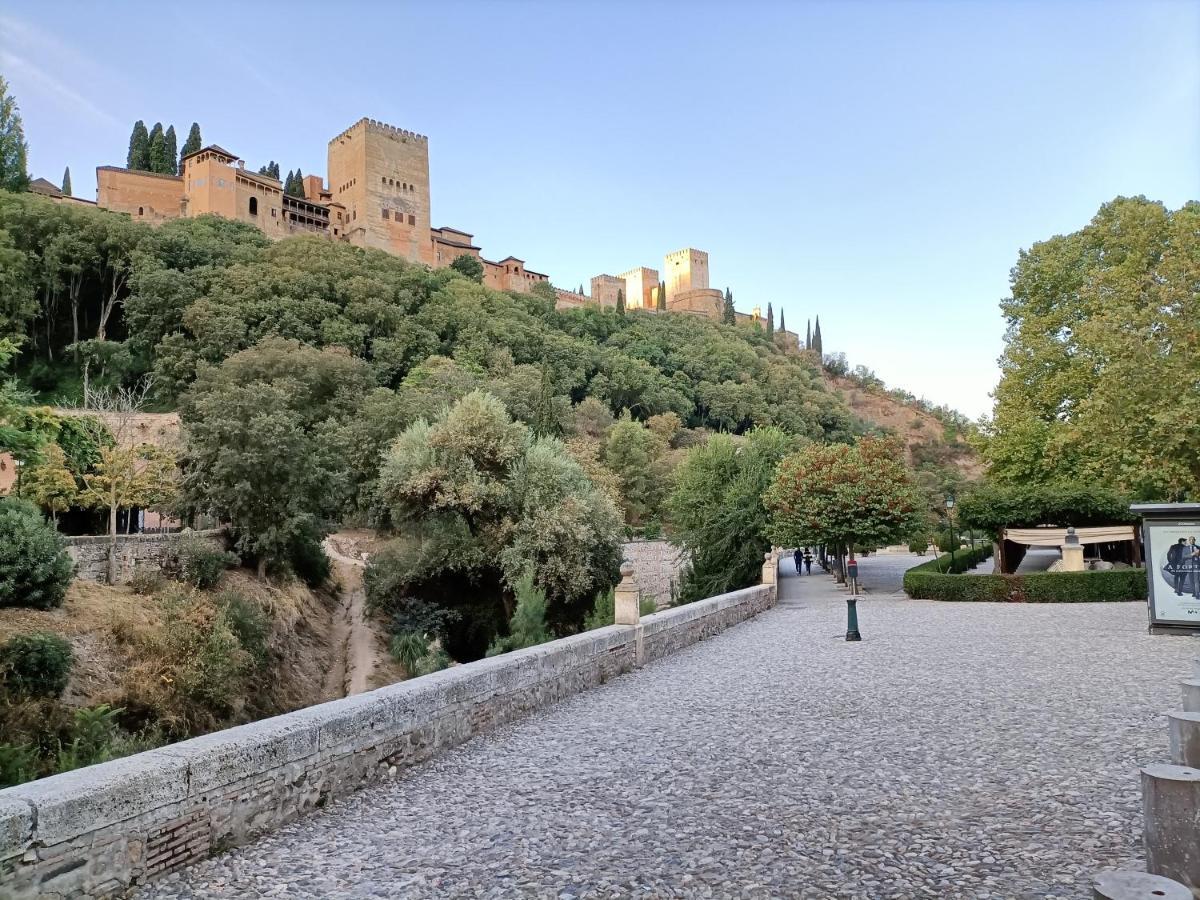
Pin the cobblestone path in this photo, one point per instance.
(960, 750)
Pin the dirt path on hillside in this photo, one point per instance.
(357, 646)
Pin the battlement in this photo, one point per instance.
(378, 127)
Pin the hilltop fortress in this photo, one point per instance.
(378, 195)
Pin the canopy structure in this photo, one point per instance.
(1014, 541)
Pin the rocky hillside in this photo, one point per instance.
(925, 436)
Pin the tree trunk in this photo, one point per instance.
(112, 545)
(262, 568)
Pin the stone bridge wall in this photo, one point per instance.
(98, 830)
(134, 551)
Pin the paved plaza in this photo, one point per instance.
(960, 750)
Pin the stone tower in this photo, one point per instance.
(685, 270)
(380, 174)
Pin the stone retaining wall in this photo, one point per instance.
(134, 551)
(98, 830)
(658, 568)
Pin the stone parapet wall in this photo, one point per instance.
(96, 831)
(657, 567)
(134, 551)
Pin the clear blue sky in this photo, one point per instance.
(879, 164)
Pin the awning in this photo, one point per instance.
(1056, 537)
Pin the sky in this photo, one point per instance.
(880, 165)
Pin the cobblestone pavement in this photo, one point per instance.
(961, 750)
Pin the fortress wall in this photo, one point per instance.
(134, 551)
(99, 830)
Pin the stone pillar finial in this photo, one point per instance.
(1072, 553)
(627, 598)
(768, 569)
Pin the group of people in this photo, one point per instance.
(802, 555)
(1183, 567)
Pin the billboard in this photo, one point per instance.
(1173, 569)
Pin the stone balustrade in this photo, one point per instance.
(99, 830)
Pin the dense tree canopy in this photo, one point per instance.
(843, 496)
(1101, 372)
(14, 176)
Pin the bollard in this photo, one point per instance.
(1191, 695)
(1185, 738)
(1137, 886)
(1171, 806)
(852, 619)
(627, 598)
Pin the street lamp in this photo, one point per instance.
(950, 527)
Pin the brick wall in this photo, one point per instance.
(134, 551)
(98, 830)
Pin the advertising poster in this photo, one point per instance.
(1173, 564)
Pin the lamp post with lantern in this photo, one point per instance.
(950, 526)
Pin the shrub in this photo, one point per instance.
(407, 648)
(604, 611)
(946, 543)
(249, 623)
(35, 665)
(918, 546)
(18, 763)
(433, 662)
(1039, 587)
(308, 559)
(146, 581)
(528, 625)
(198, 562)
(35, 569)
(94, 739)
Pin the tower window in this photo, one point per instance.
(140, 211)
(385, 214)
(254, 206)
(412, 220)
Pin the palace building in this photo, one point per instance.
(378, 196)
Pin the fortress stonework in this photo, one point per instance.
(378, 196)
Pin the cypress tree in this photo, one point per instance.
(817, 345)
(782, 327)
(581, 288)
(728, 316)
(158, 150)
(172, 151)
(274, 167)
(191, 145)
(289, 183)
(662, 296)
(299, 190)
(770, 321)
(139, 148)
(620, 302)
(66, 185)
(808, 335)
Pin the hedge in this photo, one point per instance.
(1038, 587)
(963, 560)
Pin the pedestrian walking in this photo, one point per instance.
(807, 562)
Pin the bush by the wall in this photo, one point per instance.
(1039, 587)
(35, 665)
(34, 566)
(198, 562)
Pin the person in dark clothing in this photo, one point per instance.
(797, 555)
(1175, 565)
(807, 562)
(1193, 561)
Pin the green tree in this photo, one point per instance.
(728, 315)
(580, 291)
(717, 513)
(481, 505)
(35, 569)
(818, 345)
(66, 181)
(289, 184)
(808, 335)
(843, 497)
(297, 189)
(18, 436)
(469, 267)
(158, 150)
(170, 152)
(191, 145)
(782, 326)
(527, 627)
(138, 157)
(13, 149)
(50, 483)
(620, 302)
(263, 418)
(1101, 323)
(770, 321)
(637, 456)
(14, 175)
(662, 296)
